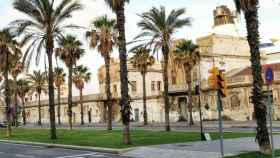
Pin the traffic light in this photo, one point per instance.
(213, 80)
(222, 86)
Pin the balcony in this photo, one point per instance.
(178, 89)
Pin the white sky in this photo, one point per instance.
(201, 12)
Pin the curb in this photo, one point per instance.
(73, 147)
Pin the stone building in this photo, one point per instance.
(223, 48)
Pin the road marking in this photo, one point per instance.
(81, 156)
(24, 156)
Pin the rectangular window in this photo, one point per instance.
(65, 110)
(115, 88)
(153, 86)
(133, 86)
(159, 85)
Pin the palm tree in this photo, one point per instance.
(39, 84)
(9, 52)
(59, 79)
(142, 61)
(81, 76)
(118, 7)
(186, 54)
(23, 88)
(104, 38)
(69, 52)
(158, 28)
(15, 70)
(45, 25)
(250, 10)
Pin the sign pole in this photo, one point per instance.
(269, 100)
(219, 106)
(269, 77)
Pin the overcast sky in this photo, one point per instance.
(201, 12)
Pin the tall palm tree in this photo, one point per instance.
(15, 70)
(81, 76)
(142, 61)
(43, 27)
(250, 10)
(9, 51)
(59, 79)
(158, 28)
(23, 88)
(38, 85)
(118, 8)
(186, 54)
(104, 38)
(69, 52)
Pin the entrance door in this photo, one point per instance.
(183, 109)
(89, 116)
(136, 113)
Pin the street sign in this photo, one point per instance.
(269, 76)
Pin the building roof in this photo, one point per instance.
(247, 71)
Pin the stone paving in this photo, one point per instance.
(210, 149)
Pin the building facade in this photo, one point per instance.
(223, 48)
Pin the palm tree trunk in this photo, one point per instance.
(165, 80)
(58, 105)
(39, 109)
(145, 114)
(70, 96)
(190, 96)
(50, 46)
(258, 96)
(7, 97)
(125, 101)
(82, 107)
(23, 111)
(108, 91)
(16, 102)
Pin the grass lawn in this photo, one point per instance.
(255, 155)
(113, 139)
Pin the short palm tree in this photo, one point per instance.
(70, 52)
(104, 38)
(158, 27)
(250, 10)
(39, 85)
(118, 8)
(81, 76)
(59, 80)
(23, 88)
(16, 69)
(142, 61)
(9, 53)
(186, 55)
(43, 27)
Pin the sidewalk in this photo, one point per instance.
(209, 149)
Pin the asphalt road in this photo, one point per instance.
(9, 150)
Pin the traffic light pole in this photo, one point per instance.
(219, 107)
(200, 118)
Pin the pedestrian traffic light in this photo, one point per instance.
(213, 81)
(222, 86)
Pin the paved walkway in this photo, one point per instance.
(209, 149)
